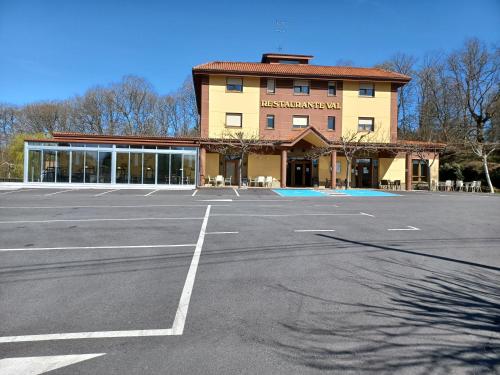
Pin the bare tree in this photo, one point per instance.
(404, 64)
(239, 144)
(476, 73)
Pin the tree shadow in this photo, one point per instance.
(424, 321)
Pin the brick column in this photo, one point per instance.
(408, 172)
(203, 157)
(283, 168)
(333, 172)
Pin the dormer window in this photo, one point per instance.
(301, 87)
(234, 84)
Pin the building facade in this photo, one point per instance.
(88, 159)
(304, 109)
(298, 123)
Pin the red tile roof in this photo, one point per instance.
(300, 70)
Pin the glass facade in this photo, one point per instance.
(120, 164)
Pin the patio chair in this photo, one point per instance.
(433, 185)
(268, 181)
(384, 184)
(260, 181)
(478, 187)
(472, 186)
(459, 185)
(397, 185)
(219, 180)
(448, 185)
(228, 181)
(252, 181)
(211, 180)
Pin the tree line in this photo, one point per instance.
(128, 107)
(453, 98)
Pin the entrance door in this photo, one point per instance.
(363, 173)
(301, 172)
(232, 171)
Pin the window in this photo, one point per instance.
(331, 122)
(234, 84)
(332, 89)
(367, 89)
(233, 119)
(301, 87)
(365, 124)
(420, 171)
(270, 122)
(271, 86)
(300, 122)
(289, 61)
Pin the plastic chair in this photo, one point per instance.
(268, 181)
(260, 180)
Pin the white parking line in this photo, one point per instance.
(287, 215)
(314, 230)
(364, 213)
(115, 206)
(194, 193)
(58, 192)
(408, 227)
(104, 219)
(11, 191)
(152, 192)
(222, 232)
(88, 335)
(181, 314)
(216, 200)
(97, 247)
(236, 192)
(105, 192)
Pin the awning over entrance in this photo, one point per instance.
(310, 135)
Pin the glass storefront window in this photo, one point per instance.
(149, 168)
(189, 169)
(90, 167)
(122, 168)
(49, 166)
(34, 165)
(104, 167)
(134, 164)
(135, 168)
(62, 174)
(176, 167)
(163, 168)
(77, 166)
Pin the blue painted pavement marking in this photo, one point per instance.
(326, 193)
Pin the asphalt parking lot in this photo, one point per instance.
(225, 281)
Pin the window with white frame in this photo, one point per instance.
(234, 119)
(270, 121)
(365, 124)
(234, 84)
(300, 122)
(271, 86)
(332, 88)
(367, 89)
(301, 87)
(331, 123)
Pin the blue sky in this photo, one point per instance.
(52, 49)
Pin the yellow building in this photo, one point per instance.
(301, 124)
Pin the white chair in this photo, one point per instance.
(252, 181)
(260, 181)
(228, 181)
(472, 186)
(268, 181)
(219, 180)
(459, 185)
(478, 187)
(448, 185)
